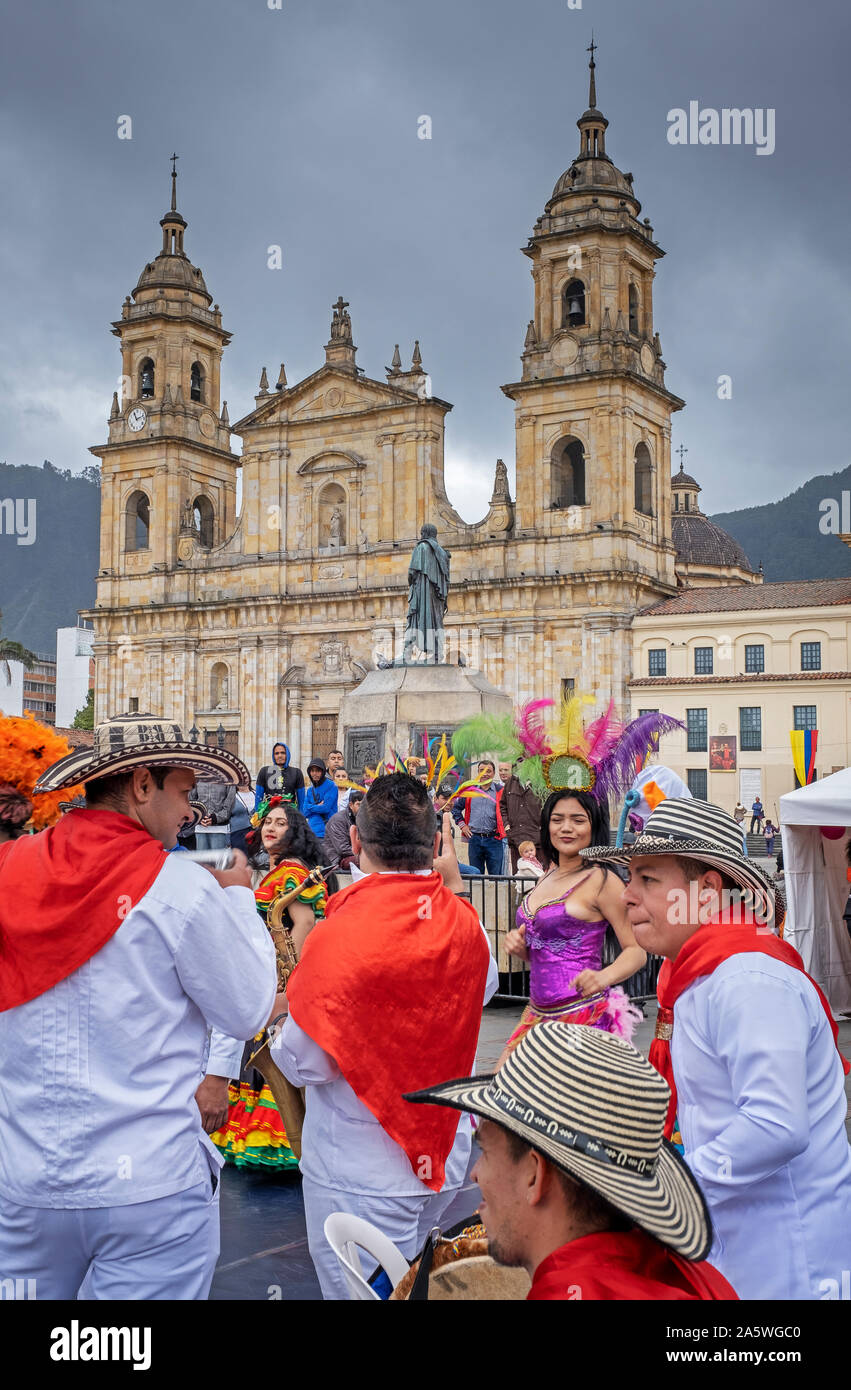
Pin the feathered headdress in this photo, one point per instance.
(27, 748)
(438, 763)
(567, 756)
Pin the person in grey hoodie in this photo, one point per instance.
(213, 829)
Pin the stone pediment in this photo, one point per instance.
(332, 461)
(326, 393)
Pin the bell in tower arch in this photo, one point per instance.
(574, 304)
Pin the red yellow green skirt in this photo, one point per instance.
(254, 1136)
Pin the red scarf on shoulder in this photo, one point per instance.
(625, 1265)
(392, 984)
(701, 954)
(64, 893)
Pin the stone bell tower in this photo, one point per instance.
(592, 409)
(169, 477)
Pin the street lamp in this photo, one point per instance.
(220, 735)
(193, 734)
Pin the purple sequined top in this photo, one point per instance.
(560, 946)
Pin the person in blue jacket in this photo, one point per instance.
(279, 779)
(319, 798)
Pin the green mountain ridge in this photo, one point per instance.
(42, 586)
(785, 535)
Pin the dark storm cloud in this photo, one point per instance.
(298, 127)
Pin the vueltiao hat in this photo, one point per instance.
(139, 740)
(698, 830)
(595, 1108)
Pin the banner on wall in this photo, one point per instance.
(804, 744)
(722, 752)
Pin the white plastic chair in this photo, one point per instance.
(346, 1234)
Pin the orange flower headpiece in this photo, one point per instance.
(27, 748)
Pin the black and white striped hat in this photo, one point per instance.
(594, 1107)
(139, 740)
(699, 830)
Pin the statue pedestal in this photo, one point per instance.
(393, 707)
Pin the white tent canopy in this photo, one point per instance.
(815, 882)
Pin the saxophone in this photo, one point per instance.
(288, 1098)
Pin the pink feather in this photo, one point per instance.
(602, 735)
(530, 731)
(624, 1016)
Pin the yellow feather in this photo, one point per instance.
(569, 732)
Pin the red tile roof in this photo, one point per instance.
(754, 677)
(800, 593)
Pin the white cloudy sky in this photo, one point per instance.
(298, 126)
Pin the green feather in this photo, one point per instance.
(531, 774)
(487, 733)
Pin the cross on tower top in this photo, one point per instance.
(340, 305)
(174, 159)
(592, 84)
(682, 451)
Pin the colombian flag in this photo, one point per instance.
(804, 743)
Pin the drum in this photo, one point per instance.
(461, 1269)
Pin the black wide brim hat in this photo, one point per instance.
(140, 740)
(594, 1107)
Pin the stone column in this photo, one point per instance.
(386, 486)
(546, 300)
(528, 489)
(250, 704)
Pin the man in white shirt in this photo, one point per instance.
(114, 957)
(747, 1042)
(389, 986)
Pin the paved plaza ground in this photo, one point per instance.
(264, 1246)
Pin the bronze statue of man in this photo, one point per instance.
(428, 592)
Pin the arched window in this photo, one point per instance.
(573, 302)
(568, 474)
(146, 379)
(676, 501)
(202, 519)
(643, 474)
(220, 686)
(196, 382)
(137, 515)
(633, 309)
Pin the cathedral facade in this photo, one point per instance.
(255, 624)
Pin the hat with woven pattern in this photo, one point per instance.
(139, 740)
(698, 830)
(594, 1107)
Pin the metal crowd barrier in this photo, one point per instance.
(496, 898)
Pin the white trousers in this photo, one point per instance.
(404, 1220)
(165, 1249)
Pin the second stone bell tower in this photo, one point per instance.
(169, 476)
(592, 411)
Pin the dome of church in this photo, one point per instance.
(700, 542)
(685, 480)
(172, 271)
(592, 171)
(587, 175)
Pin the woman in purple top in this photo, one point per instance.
(561, 926)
